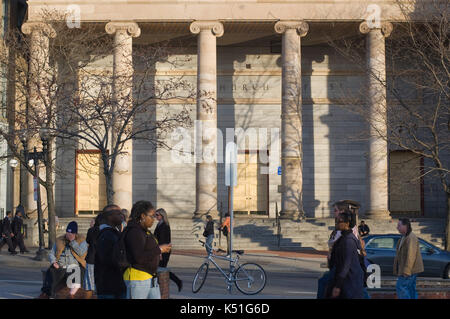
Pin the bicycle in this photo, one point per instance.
(249, 278)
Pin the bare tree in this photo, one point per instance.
(63, 93)
(417, 114)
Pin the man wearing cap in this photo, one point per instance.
(67, 257)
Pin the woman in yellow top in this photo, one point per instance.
(143, 253)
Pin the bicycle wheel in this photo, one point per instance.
(250, 278)
(200, 278)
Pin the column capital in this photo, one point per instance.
(130, 27)
(47, 29)
(385, 27)
(215, 27)
(301, 26)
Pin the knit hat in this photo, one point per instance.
(72, 227)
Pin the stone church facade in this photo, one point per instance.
(271, 67)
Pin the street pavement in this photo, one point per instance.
(289, 275)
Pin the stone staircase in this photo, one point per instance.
(262, 234)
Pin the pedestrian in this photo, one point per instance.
(363, 229)
(348, 280)
(107, 274)
(143, 253)
(162, 234)
(67, 255)
(351, 208)
(18, 231)
(225, 228)
(408, 261)
(209, 233)
(7, 234)
(91, 238)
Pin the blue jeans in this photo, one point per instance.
(406, 287)
(142, 289)
(209, 241)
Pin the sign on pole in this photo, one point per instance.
(35, 182)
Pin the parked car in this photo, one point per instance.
(381, 250)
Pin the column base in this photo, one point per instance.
(215, 214)
(292, 214)
(377, 214)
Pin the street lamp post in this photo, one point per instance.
(13, 164)
(34, 157)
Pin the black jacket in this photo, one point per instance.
(209, 228)
(6, 227)
(16, 226)
(142, 249)
(162, 234)
(108, 277)
(91, 239)
(349, 275)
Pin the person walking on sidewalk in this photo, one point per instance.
(348, 280)
(407, 262)
(91, 238)
(68, 252)
(17, 229)
(209, 233)
(143, 253)
(225, 228)
(107, 274)
(7, 234)
(162, 234)
(363, 229)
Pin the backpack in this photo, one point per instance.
(119, 253)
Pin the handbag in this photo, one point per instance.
(205, 233)
(225, 231)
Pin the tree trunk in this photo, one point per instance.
(109, 188)
(50, 195)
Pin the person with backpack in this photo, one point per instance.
(162, 234)
(348, 280)
(107, 273)
(143, 253)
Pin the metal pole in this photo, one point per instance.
(231, 220)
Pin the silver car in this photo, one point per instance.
(381, 250)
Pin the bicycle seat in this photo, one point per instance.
(239, 252)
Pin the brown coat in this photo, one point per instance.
(408, 260)
(61, 244)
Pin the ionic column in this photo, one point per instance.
(377, 172)
(123, 32)
(291, 118)
(40, 34)
(206, 169)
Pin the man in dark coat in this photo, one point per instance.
(348, 281)
(108, 277)
(17, 229)
(7, 234)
